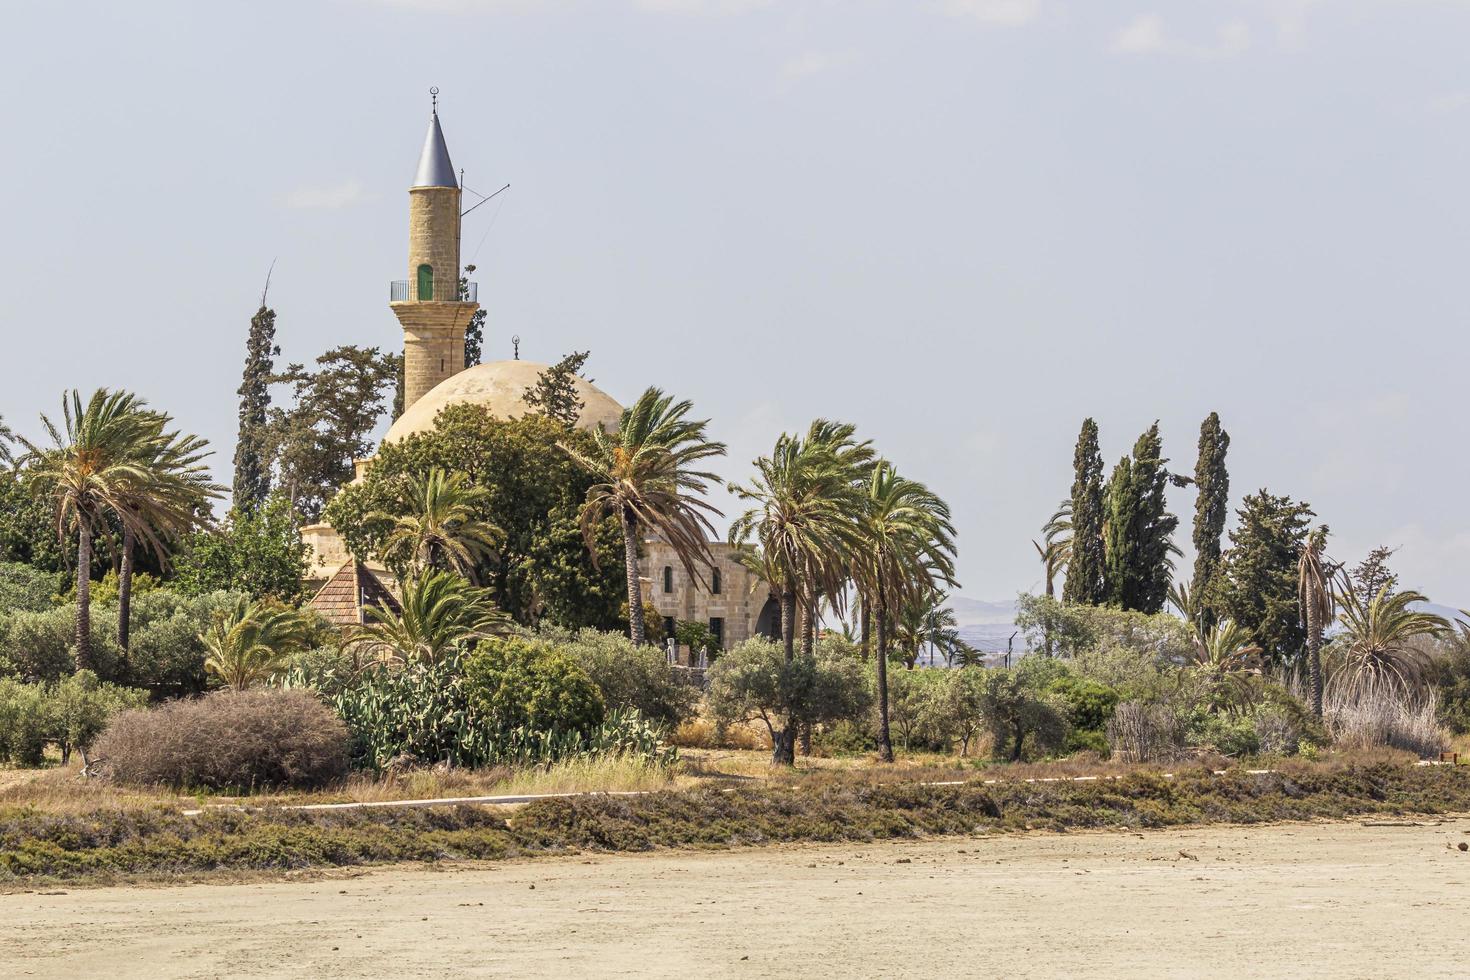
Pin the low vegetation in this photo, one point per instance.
(135, 840)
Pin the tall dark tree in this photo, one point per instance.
(1211, 508)
(1258, 579)
(1372, 575)
(1139, 529)
(334, 410)
(555, 392)
(474, 331)
(1085, 566)
(252, 448)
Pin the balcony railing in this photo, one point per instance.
(400, 291)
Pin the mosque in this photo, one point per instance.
(433, 312)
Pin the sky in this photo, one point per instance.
(962, 225)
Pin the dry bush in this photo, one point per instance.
(1140, 732)
(702, 733)
(229, 739)
(1381, 713)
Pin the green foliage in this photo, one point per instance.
(423, 714)
(70, 713)
(756, 681)
(629, 677)
(1086, 565)
(333, 413)
(1128, 651)
(251, 640)
(165, 654)
(1024, 719)
(1211, 505)
(257, 552)
(1139, 528)
(917, 708)
(252, 448)
(24, 588)
(555, 392)
(533, 491)
(1257, 582)
(1088, 706)
(694, 635)
(28, 527)
(519, 683)
(1230, 735)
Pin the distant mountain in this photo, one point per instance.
(986, 625)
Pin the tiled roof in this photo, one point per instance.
(345, 597)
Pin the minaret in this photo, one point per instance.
(428, 304)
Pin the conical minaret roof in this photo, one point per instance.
(435, 170)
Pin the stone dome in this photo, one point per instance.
(500, 386)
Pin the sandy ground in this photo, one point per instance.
(1322, 900)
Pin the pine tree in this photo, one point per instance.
(555, 392)
(1211, 507)
(1139, 529)
(252, 449)
(1372, 575)
(1085, 569)
(1256, 584)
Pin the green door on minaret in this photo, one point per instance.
(426, 282)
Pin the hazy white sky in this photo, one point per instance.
(961, 224)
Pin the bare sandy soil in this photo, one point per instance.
(1322, 900)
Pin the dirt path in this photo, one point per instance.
(1338, 900)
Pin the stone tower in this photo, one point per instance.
(428, 303)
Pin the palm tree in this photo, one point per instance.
(441, 613)
(648, 481)
(6, 438)
(907, 549)
(803, 516)
(1187, 602)
(1225, 658)
(98, 465)
(1375, 640)
(851, 465)
(178, 492)
(1314, 591)
(440, 528)
(250, 641)
(1057, 550)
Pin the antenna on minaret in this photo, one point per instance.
(434, 97)
(516, 343)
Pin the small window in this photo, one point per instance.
(714, 582)
(426, 283)
(717, 632)
(668, 578)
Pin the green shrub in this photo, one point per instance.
(239, 740)
(844, 737)
(629, 677)
(1025, 720)
(918, 712)
(1089, 706)
(519, 683)
(754, 681)
(70, 713)
(27, 589)
(1230, 736)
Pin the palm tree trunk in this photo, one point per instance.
(809, 629)
(783, 741)
(1314, 660)
(125, 592)
(84, 595)
(885, 737)
(865, 628)
(635, 587)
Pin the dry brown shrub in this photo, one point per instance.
(1140, 732)
(242, 740)
(701, 733)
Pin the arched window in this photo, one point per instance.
(668, 578)
(714, 581)
(426, 282)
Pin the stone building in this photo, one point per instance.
(433, 311)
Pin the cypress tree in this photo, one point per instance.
(1139, 528)
(252, 448)
(1085, 568)
(1211, 507)
(1257, 582)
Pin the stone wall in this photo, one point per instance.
(739, 602)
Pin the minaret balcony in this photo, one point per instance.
(401, 291)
